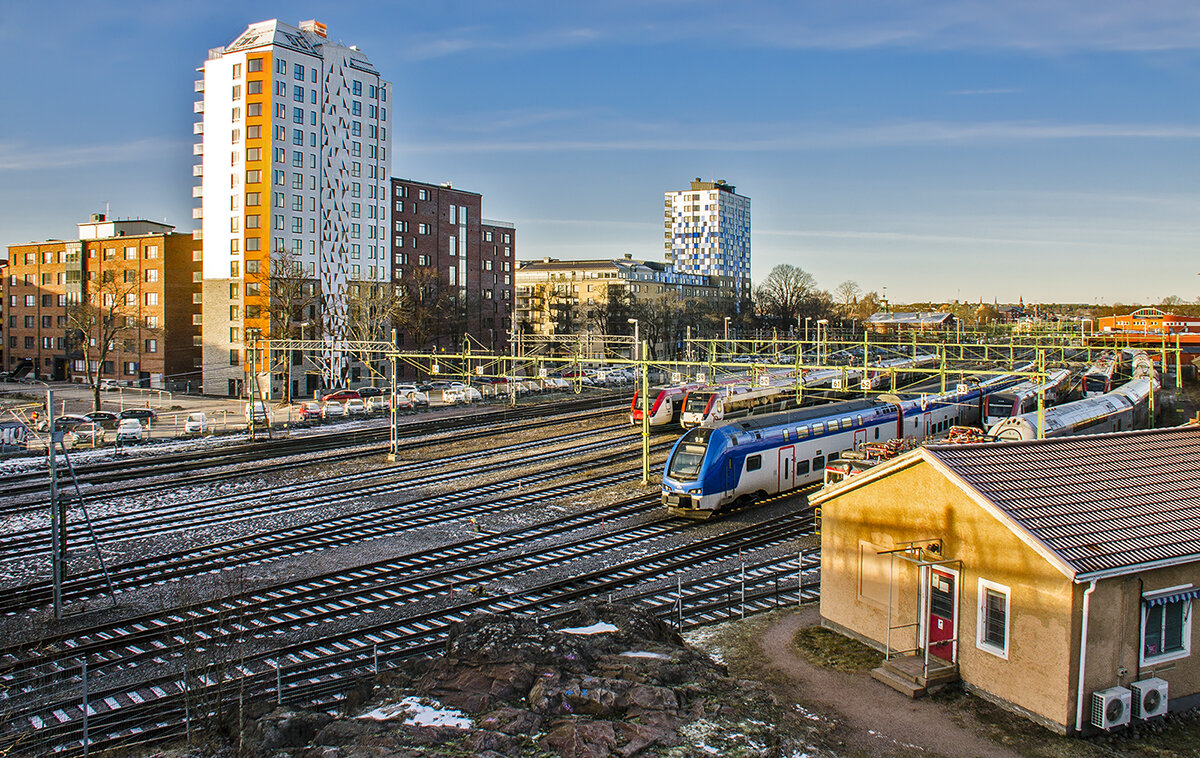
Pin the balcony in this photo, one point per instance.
(197, 234)
(197, 212)
(198, 148)
(198, 169)
(198, 106)
(198, 127)
(198, 191)
(199, 85)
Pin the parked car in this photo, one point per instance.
(452, 396)
(366, 392)
(468, 393)
(261, 415)
(418, 397)
(129, 430)
(341, 396)
(332, 409)
(109, 385)
(310, 412)
(106, 419)
(63, 423)
(197, 423)
(355, 407)
(141, 414)
(90, 434)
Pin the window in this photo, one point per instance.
(253, 177)
(151, 252)
(992, 627)
(280, 66)
(1167, 624)
(356, 87)
(237, 92)
(151, 275)
(151, 298)
(254, 87)
(254, 154)
(233, 357)
(298, 72)
(254, 64)
(298, 94)
(753, 462)
(151, 346)
(237, 71)
(253, 199)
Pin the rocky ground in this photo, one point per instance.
(607, 680)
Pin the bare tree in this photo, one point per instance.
(97, 324)
(847, 294)
(787, 293)
(423, 306)
(372, 308)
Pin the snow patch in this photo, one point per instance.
(413, 711)
(645, 654)
(600, 627)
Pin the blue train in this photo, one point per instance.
(736, 463)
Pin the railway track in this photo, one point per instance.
(239, 506)
(27, 484)
(381, 520)
(315, 671)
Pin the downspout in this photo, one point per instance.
(1087, 601)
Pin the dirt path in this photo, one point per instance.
(871, 717)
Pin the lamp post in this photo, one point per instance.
(806, 320)
(645, 397)
(821, 322)
(727, 349)
(636, 342)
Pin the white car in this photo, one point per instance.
(129, 430)
(410, 391)
(355, 407)
(333, 409)
(197, 423)
(468, 393)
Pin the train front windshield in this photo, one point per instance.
(689, 455)
(697, 402)
(1095, 383)
(1000, 406)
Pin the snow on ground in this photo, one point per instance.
(645, 654)
(600, 627)
(415, 712)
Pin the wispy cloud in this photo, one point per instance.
(831, 137)
(19, 157)
(483, 39)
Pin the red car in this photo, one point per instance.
(342, 396)
(310, 412)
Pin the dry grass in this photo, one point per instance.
(824, 647)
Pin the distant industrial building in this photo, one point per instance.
(707, 232)
(443, 250)
(1053, 576)
(132, 281)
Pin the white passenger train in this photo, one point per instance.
(741, 461)
(1122, 409)
(1098, 379)
(1023, 398)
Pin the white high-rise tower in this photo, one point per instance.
(294, 186)
(707, 231)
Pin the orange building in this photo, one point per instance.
(1149, 321)
(133, 281)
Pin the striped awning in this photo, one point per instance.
(1172, 597)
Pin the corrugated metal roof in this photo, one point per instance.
(1099, 502)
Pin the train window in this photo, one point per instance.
(859, 421)
(801, 432)
(818, 427)
(847, 423)
(785, 435)
(818, 463)
(753, 463)
(801, 467)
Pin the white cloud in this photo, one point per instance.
(20, 157)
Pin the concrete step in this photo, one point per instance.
(899, 684)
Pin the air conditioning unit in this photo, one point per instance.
(1110, 707)
(1149, 698)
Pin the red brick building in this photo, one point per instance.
(135, 276)
(441, 242)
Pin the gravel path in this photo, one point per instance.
(871, 717)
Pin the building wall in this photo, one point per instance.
(158, 270)
(707, 231)
(918, 503)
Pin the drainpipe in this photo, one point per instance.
(1087, 601)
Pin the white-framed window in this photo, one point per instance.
(992, 626)
(1167, 624)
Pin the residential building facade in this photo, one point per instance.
(136, 281)
(707, 232)
(444, 250)
(293, 181)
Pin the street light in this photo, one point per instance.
(806, 320)
(727, 333)
(636, 342)
(821, 322)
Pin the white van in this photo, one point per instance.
(261, 415)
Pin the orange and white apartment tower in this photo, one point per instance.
(293, 173)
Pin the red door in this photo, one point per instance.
(942, 605)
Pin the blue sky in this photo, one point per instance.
(959, 149)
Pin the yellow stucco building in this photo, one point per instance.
(1055, 577)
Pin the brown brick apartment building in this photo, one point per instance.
(139, 275)
(440, 241)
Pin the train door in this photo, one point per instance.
(927, 425)
(942, 621)
(860, 438)
(787, 468)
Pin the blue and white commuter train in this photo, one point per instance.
(738, 462)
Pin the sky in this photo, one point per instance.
(1036, 149)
